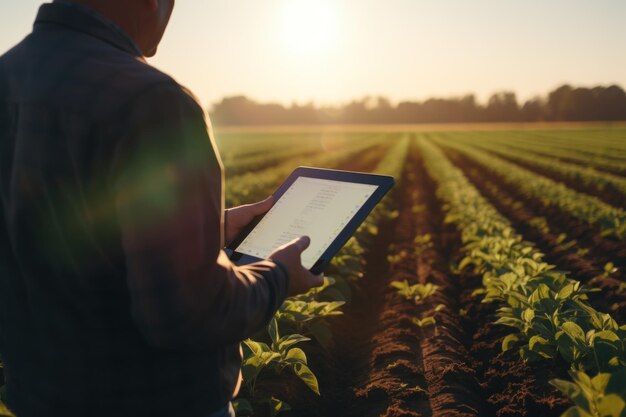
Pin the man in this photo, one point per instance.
(115, 296)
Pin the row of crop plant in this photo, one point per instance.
(303, 146)
(587, 143)
(548, 310)
(304, 318)
(234, 146)
(610, 220)
(586, 175)
(605, 161)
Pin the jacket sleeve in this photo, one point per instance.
(168, 187)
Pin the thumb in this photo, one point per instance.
(318, 280)
(302, 243)
(263, 206)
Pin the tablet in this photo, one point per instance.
(326, 205)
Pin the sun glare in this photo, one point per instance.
(309, 27)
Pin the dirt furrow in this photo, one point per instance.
(394, 383)
(450, 372)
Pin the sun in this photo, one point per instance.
(309, 27)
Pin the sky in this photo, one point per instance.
(332, 51)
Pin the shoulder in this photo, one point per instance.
(76, 73)
(165, 98)
(135, 89)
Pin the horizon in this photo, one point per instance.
(333, 52)
(394, 103)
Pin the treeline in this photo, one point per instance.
(566, 103)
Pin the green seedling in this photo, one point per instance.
(422, 243)
(277, 406)
(277, 357)
(416, 292)
(609, 269)
(424, 322)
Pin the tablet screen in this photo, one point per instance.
(314, 207)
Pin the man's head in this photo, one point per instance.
(143, 20)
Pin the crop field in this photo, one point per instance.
(489, 282)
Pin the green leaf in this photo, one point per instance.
(426, 321)
(542, 292)
(273, 330)
(609, 268)
(270, 357)
(528, 315)
(254, 364)
(255, 347)
(416, 292)
(606, 335)
(511, 321)
(479, 291)
(541, 346)
(573, 391)
(600, 382)
(566, 387)
(242, 407)
(465, 262)
(277, 406)
(611, 405)
(566, 292)
(583, 381)
(574, 331)
(290, 340)
(399, 285)
(510, 341)
(296, 355)
(304, 373)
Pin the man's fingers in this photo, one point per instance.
(302, 243)
(317, 280)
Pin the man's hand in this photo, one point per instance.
(301, 279)
(239, 217)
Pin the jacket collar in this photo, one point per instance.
(86, 20)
